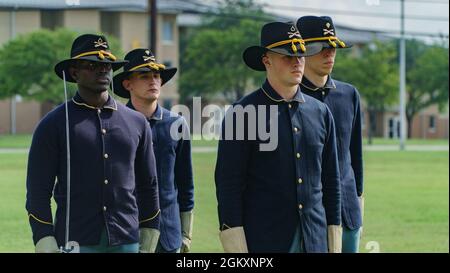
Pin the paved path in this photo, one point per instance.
(377, 148)
(13, 151)
(416, 148)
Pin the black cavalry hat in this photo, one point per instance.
(320, 30)
(90, 47)
(278, 37)
(141, 60)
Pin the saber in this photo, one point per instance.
(69, 246)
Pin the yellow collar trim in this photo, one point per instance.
(160, 116)
(330, 40)
(92, 107)
(275, 100)
(280, 100)
(152, 65)
(101, 54)
(301, 42)
(317, 88)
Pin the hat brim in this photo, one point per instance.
(253, 55)
(326, 44)
(65, 64)
(118, 79)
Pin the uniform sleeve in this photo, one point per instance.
(356, 151)
(183, 169)
(146, 182)
(41, 175)
(330, 175)
(230, 175)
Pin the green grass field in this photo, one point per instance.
(17, 141)
(387, 141)
(407, 202)
(24, 141)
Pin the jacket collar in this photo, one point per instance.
(310, 86)
(109, 104)
(158, 115)
(274, 96)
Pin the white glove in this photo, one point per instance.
(334, 239)
(148, 240)
(233, 240)
(361, 206)
(187, 220)
(47, 245)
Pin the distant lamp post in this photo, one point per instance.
(12, 35)
(153, 13)
(402, 78)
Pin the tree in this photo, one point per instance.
(426, 78)
(212, 61)
(27, 65)
(374, 72)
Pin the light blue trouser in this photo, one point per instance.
(297, 242)
(103, 247)
(350, 240)
(160, 249)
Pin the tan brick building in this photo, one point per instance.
(126, 20)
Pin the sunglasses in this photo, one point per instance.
(93, 66)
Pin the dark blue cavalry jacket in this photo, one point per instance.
(113, 174)
(344, 103)
(271, 193)
(175, 177)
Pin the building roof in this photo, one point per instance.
(359, 36)
(164, 6)
(190, 12)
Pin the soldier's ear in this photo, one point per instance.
(73, 72)
(265, 59)
(127, 85)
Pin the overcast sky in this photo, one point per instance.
(436, 9)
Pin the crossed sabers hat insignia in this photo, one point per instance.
(151, 62)
(148, 58)
(294, 32)
(293, 41)
(327, 31)
(101, 43)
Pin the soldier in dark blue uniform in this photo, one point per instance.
(344, 103)
(284, 199)
(111, 203)
(141, 81)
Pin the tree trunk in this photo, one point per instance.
(372, 125)
(410, 112)
(409, 119)
(239, 93)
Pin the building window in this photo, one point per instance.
(432, 124)
(52, 19)
(110, 23)
(394, 128)
(167, 31)
(391, 128)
